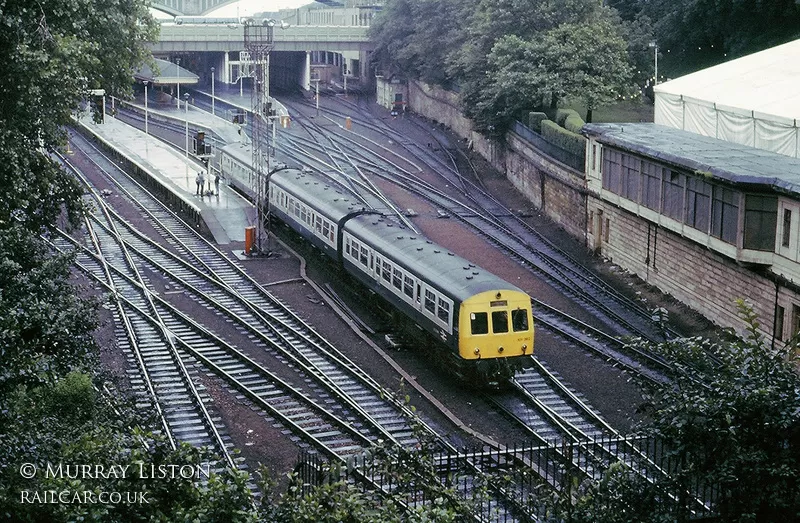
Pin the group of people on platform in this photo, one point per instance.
(200, 181)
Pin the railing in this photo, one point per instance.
(577, 162)
(529, 474)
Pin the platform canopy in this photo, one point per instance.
(753, 100)
(166, 73)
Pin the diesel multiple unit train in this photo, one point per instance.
(482, 325)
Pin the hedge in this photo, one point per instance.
(560, 137)
(574, 123)
(535, 121)
(563, 114)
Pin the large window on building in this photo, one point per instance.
(760, 221)
(612, 170)
(725, 214)
(698, 204)
(630, 177)
(786, 235)
(651, 185)
(672, 195)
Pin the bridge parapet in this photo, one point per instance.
(222, 37)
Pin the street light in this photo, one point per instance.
(178, 98)
(145, 82)
(654, 45)
(186, 118)
(212, 91)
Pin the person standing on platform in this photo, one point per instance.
(197, 182)
(216, 184)
(202, 183)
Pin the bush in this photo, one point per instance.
(535, 121)
(563, 114)
(574, 123)
(560, 137)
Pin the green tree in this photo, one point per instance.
(731, 419)
(694, 34)
(54, 52)
(413, 38)
(584, 61)
(482, 94)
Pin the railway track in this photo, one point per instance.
(568, 424)
(217, 287)
(502, 227)
(166, 381)
(217, 283)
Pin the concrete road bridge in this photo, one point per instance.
(300, 54)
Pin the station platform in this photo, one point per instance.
(226, 214)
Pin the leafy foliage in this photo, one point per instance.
(694, 34)
(45, 329)
(510, 56)
(732, 419)
(57, 51)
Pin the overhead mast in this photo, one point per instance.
(258, 40)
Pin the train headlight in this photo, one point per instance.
(524, 348)
(477, 351)
(500, 349)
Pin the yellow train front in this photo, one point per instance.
(483, 324)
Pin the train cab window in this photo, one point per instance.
(430, 301)
(519, 320)
(443, 311)
(499, 321)
(479, 323)
(408, 286)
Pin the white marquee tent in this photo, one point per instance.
(753, 100)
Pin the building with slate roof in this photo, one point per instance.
(706, 220)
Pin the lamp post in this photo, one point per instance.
(178, 98)
(654, 45)
(212, 91)
(186, 119)
(145, 82)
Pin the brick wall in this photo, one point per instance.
(694, 275)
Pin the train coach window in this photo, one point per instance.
(408, 286)
(443, 311)
(387, 271)
(430, 301)
(364, 255)
(499, 321)
(397, 280)
(479, 322)
(519, 320)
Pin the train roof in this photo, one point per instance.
(455, 275)
(329, 198)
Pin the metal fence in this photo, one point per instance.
(577, 162)
(520, 483)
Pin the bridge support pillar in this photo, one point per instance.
(307, 72)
